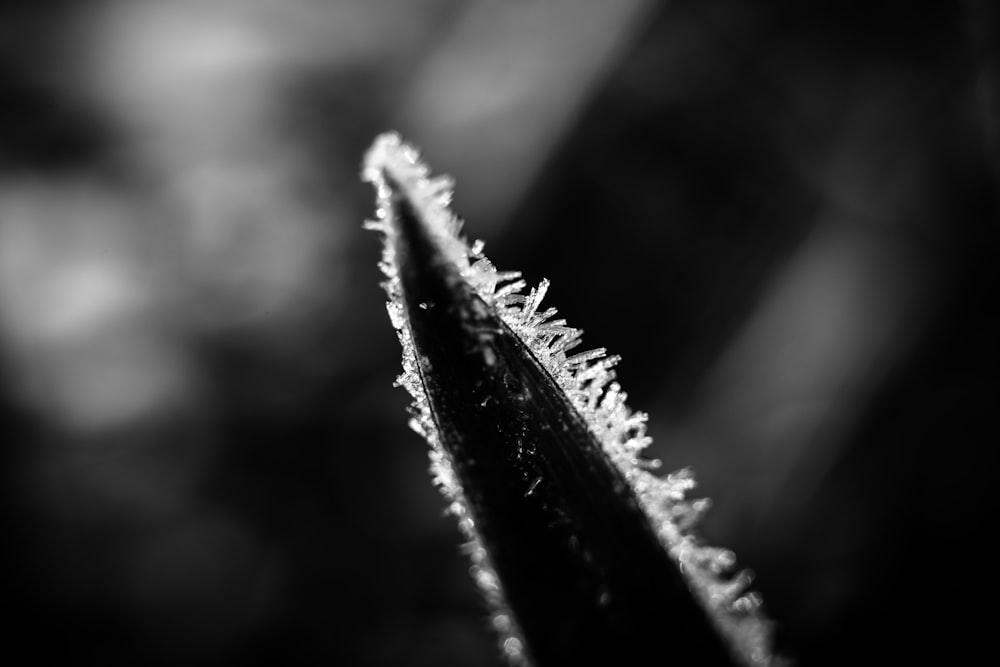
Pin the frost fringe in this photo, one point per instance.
(587, 378)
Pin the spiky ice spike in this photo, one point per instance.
(581, 551)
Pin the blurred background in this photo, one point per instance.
(783, 215)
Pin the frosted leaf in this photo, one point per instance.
(586, 378)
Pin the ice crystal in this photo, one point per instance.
(588, 380)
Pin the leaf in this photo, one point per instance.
(584, 555)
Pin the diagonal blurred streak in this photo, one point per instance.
(785, 395)
(835, 320)
(511, 77)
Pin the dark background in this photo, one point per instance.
(783, 216)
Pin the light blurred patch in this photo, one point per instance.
(82, 310)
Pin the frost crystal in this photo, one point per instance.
(587, 378)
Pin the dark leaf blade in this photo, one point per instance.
(580, 565)
(577, 546)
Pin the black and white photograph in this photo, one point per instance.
(498, 333)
